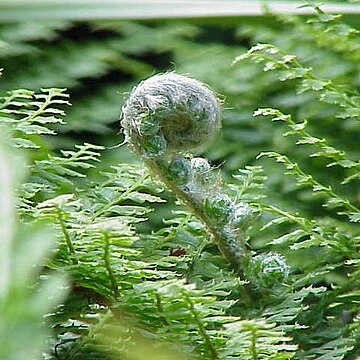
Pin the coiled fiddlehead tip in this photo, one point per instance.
(268, 270)
(220, 208)
(170, 113)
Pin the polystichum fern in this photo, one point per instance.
(165, 119)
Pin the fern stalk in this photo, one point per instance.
(210, 347)
(107, 263)
(66, 234)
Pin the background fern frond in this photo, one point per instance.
(30, 113)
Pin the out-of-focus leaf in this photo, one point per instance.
(17, 10)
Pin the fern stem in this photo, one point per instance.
(218, 234)
(207, 340)
(66, 234)
(253, 345)
(106, 259)
(194, 259)
(122, 197)
(161, 311)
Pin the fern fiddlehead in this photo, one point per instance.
(165, 119)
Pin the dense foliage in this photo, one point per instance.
(99, 260)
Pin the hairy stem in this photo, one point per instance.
(218, 234)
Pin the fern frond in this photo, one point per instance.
(250, 182)
(328, 31)
(56, 171)
(287, 67)
(259, 339)
(311, 234)
(338, 157)
(331, 199)
(30, 114)
(335, 349)
(291, 308)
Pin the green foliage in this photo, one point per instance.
(30, 113)
(143, 275)
(320, 245)
(25, 297)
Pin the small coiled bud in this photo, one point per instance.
(268, 270)
(220, 208)
(244, 216)
(153, 146)
(182, 112)
(148, 125)
(202, 172)
(200, 166)
(179, 170)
